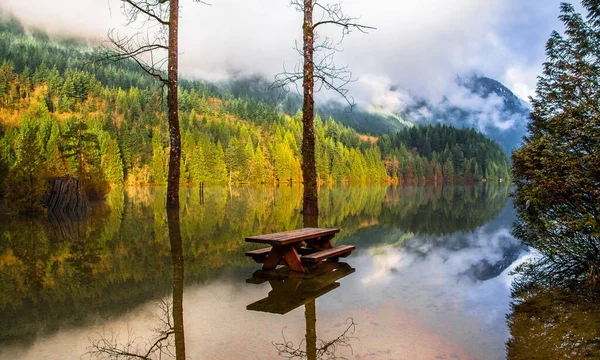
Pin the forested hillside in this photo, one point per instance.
(62, 112)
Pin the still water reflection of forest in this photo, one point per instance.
(429, 278)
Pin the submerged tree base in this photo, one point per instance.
(555, 323)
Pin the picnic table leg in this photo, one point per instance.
(288, 253)
(322, 243)
(273, 259)
(293, 259)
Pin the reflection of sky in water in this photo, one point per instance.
(433, 279)
(413, 297)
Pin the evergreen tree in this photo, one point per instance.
(111, 159)
(219, 169)
(557, 171)
(26, 182)
(83, 147)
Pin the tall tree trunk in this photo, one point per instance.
(173, 110)
(178, 276)
(309, 170)
(173, 181)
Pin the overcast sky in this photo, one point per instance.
(419, 45)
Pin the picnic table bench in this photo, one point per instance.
(294, 248)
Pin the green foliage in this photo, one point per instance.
(443, 153)
(557, 171)
(26, 182)
(83, 147)
(236, 133)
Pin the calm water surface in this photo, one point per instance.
(429, 278)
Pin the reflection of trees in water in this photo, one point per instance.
(291, 290)
(315, 348)
(553, 323)
(169, 339)
(109, 345)
(50, 264)
(443, 210)
(124, 254)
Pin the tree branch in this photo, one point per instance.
(326, 74)
(146, 8)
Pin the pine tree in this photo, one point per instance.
(219, 171)
(557, 171)
(111, 160)
(83, 147)
(26, 182)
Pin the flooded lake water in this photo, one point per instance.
(428, 279)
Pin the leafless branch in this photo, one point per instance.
(153, 9)
(109, 345)
(148, 48)
(326, 73)
(325, 350)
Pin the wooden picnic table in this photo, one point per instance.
(313, 244)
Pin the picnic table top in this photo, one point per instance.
(292, 236)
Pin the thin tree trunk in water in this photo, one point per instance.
(178, 276)
(173, 110)
(310, 314)
(309, 170)
(173, 182)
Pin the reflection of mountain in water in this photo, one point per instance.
(488, 248)
(443, 210)
(495, 246)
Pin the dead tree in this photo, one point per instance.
(155, 49)
(317, 68)
(109, 345)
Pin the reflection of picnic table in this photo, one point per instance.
(308, 246)
(291, 290)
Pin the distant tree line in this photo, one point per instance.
(441, 153)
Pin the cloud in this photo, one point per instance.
(418, 46)
(379, 94)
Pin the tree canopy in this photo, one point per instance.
(557, 171)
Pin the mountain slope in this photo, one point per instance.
(477, 102)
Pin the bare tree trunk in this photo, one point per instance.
(309, 170)
(310, 315)
(173, 181)
(173, 110)
(178, 276)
